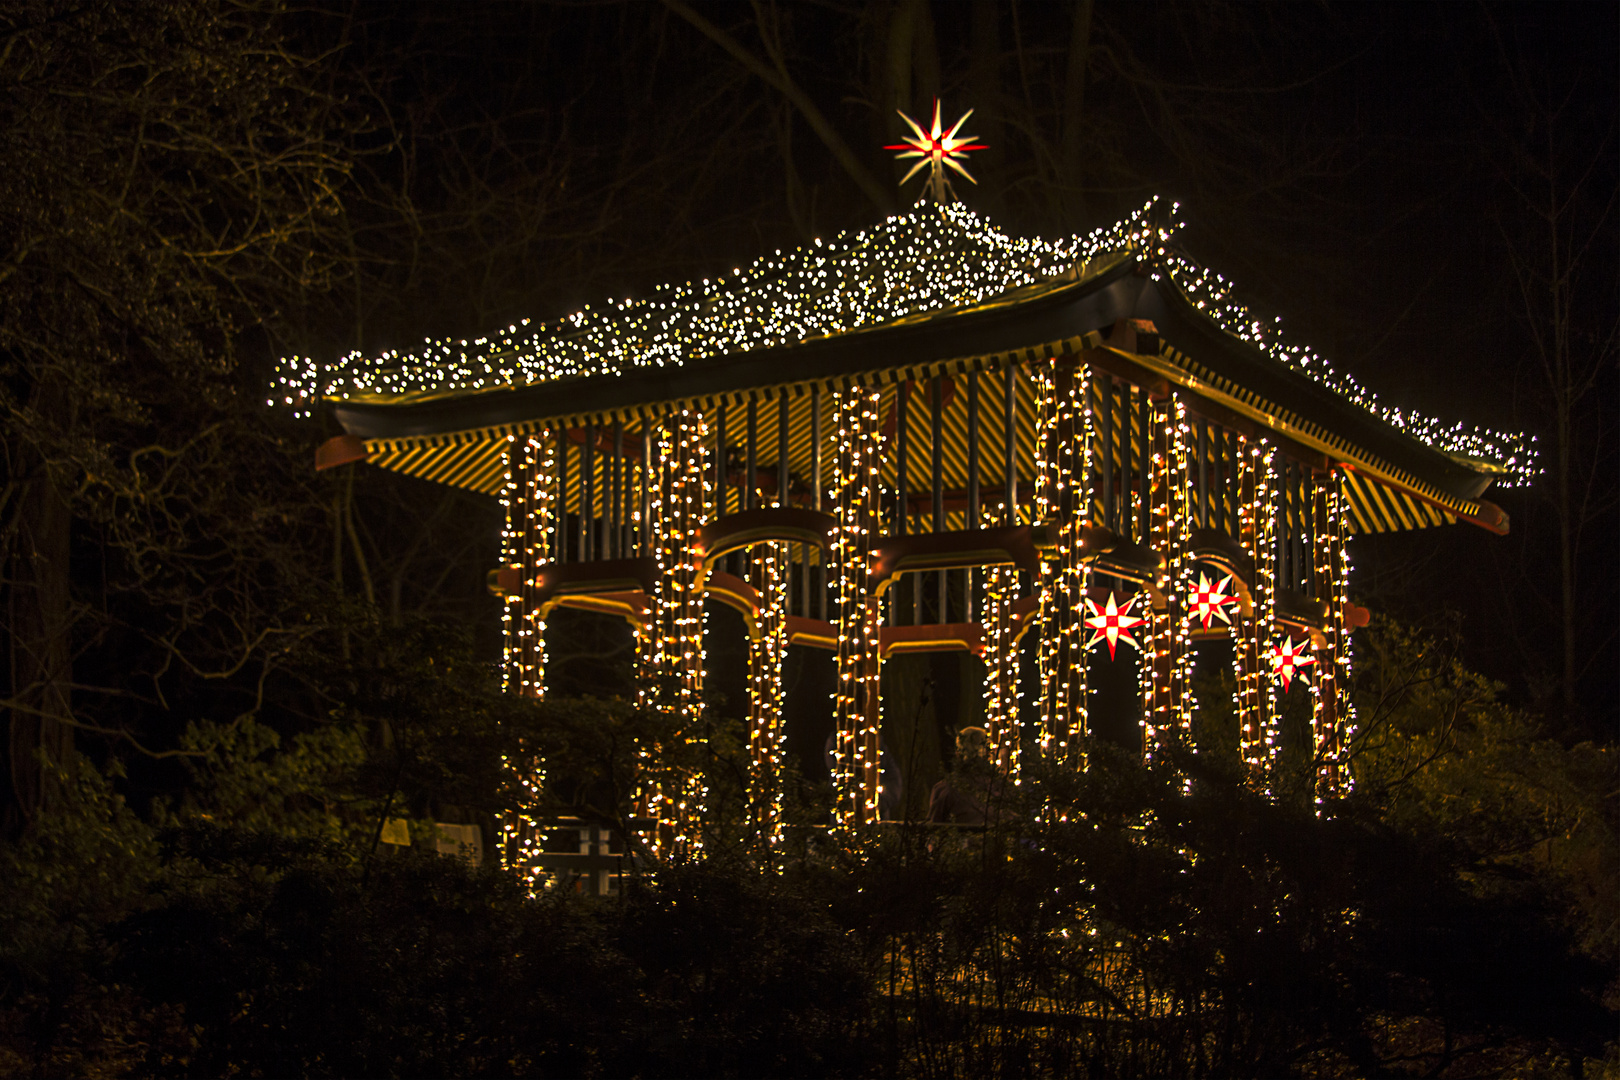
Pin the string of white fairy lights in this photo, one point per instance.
(857, 509)
(529, 497)
(927, 260)
(1513, 453)
(1063, 493)
(772, 573)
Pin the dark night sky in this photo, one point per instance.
(1347, 165)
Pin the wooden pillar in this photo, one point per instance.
(1256, 631)
(722, 464)
(972, 519)
(783, 477)
(772, 574)
(644, 538)
(857, 482)
(815, 447)
(616, 544)
(587, 497)
(817, 610)
(936, 420)
(1144, 466)
(1247, 660)
(1103, 420)
(751, 457)
(1166, 666)
(671, 639)
(1009, 445)
(1001, 716)
(1201, 456)
(1063, 498)
(527, 543)
(561, 552)
(1331, 710)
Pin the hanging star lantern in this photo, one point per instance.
(1209, 601)
(1287, 658)
(937, 149)
(1112, 624)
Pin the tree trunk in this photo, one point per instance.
(1074, 108)
(1566, 537)
(1565, 393)
(984, 75)
(897, 73)
(925, 57)
(39, 736)
(911, 71)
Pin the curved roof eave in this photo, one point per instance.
(1068, 310)
(1126, 290)
(1195, 333)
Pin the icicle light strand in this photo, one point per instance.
(925, 261)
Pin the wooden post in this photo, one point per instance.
(751, 466)
(615, 546)
(819, 609)
(937, 480)
(971, 519)
(857, 701)
(1009, 448)
(1105, 423)
(782, 450)
(671, 654)
(1001, 714)
(722, 482)
(587, 496)
(1165, 670)
(1062, 454)
(560, 551)
(1256, 634)
(528, 543)
(1330, 719)
(767, 648)
(1144, 467)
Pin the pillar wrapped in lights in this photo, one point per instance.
(1256, 631)
(772, 574)
(671, 640)
(1331, 713)
(529, 498)
(1182, 568)
(1268, 633)
(1165, 671)
(1001, 720)
(1063, 499)
(859, 465)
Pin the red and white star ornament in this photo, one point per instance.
(1209, 601)
(937, 149)
(1112, 623)
(1287, 658)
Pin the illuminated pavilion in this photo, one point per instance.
(927, 436)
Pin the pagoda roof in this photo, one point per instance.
(936, 291)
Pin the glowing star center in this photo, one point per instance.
(1112, 623)
(1209, 601)
(937, 149)
(1287, 658)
